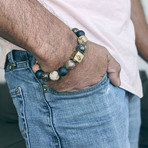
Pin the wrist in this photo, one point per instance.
(51, 57)
(76, 57)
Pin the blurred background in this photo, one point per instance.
(142, 64)
(10, 136)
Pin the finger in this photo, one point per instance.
(113, 70)
(114, 78)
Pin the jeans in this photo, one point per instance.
(102, 116)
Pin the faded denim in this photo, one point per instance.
(102, 116)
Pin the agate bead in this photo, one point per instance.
(70, 64)
(54, 76)
(45, 76)
(35, 68)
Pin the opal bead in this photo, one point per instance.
(39, 74)
(70, 64)
(81, 48)
(35, 68)
(54, 76)
(80, 33)
(62, 71)
(82, 40)
(45, 77)
(75, 30)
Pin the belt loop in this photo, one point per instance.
(11, 59)
(9, 64)
(30, 59)
(27, 58)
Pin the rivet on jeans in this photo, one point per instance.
(10, 67)
(45, 89)
(17, 89)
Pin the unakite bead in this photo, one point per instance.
(80, 33)
(70, 64)
(39, 74)
(82, 40)
(81, 48)
(45, 77)
(54, 76)
(62, 71)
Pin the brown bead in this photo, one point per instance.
(70, 64)
(45, 77)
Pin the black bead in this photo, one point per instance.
(81, 48)
(80, 33)
(45, 76)
(75, 30)
(62, 71)
(39, 74)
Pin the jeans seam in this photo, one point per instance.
(51, 122)
(118, 142)
(25, 120)
(50, 111)
(25, 124)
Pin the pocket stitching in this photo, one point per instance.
(94, 87)
(15, 93)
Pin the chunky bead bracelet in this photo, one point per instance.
(76, 57)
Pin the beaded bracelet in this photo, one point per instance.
(76, 57)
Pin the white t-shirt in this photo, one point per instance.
(105, 22)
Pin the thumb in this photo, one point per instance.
(113, 70)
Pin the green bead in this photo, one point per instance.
(80, 33)
(81, 48)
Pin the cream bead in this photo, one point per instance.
(54, 76)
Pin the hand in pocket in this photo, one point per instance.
(96, 63)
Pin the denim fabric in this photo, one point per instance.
(102, 116)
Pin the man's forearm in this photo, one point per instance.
(29, 25)
(141, 29)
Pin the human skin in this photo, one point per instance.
(35, 29)
(141, 29)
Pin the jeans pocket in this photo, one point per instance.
(89, 90)
(18, 101)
